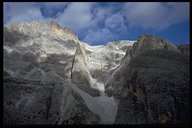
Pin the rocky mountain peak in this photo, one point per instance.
(149, 42)
(152, 39)
(145, 38)
(54, 24)
(62, 31)
(23, 25)
(35, 28)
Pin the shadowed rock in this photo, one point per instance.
(157, 82)
(33, 102)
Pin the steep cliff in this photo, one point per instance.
(152, 84)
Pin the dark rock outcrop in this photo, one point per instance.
(152, 84)
(157, 84)
(144, 44)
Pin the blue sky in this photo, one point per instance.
(98, 23)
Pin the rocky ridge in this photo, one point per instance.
(35, 29)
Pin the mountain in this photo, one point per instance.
(48, 57)
(152, 84)
(51, 77)
(40, 49)
(144, 44)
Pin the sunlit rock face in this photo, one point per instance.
(147, 42)
(35, 29)
(38, 50)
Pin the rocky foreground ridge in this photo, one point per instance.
(50, 77)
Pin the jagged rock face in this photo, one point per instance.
(144, 44)
(93, 65)
(38, 50)
(35, 29)
(34, 102)
(80, 74)
(156, 85)
(37, 56)
(102, 60)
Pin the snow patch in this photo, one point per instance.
(62, 62)
(94, 84)
(8, 49)
(104, 106)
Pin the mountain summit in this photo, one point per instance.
(51, 77)
(50, 28)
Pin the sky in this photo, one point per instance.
(101, 22)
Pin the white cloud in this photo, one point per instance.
(116, 23)
(100, 13)
(155, 15)
(77, 16)
(28, 16)
(98, 36)
(53, 8)
(22, 12)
